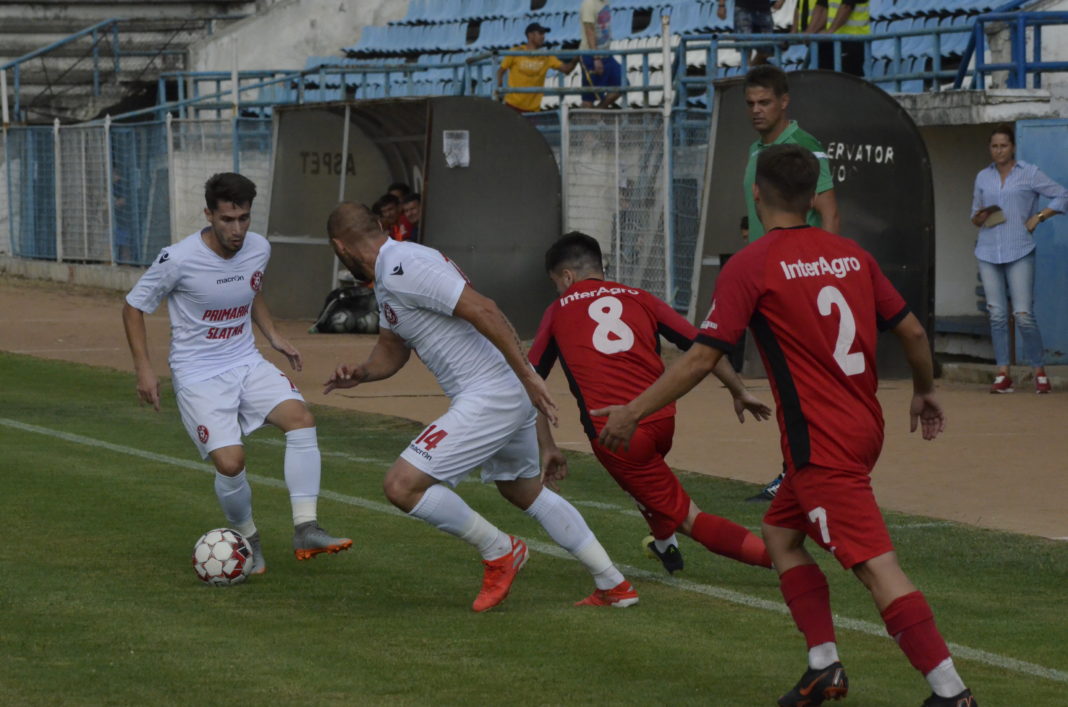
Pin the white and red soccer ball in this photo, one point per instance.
(222, 557)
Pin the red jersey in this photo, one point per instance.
(402, 230)
(815, 302)
(606, 337)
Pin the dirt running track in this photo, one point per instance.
(1001, 463)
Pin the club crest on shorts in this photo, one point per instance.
(391, 316)
(202, 434)
(256, 280)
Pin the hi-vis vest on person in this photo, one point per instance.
(859, 21)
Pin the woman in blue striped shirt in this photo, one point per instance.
(1006, 196)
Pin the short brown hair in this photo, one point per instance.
(768, 76)
(228, 186)
(1005, 129)
(787, 176)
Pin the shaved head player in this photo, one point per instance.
(427, 305)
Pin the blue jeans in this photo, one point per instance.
(1015, 280)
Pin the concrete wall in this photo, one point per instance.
(1054, 48)
(309, 28)
(957, 153)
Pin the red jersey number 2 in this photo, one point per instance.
(430, 438)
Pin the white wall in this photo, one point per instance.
(957, 153)
(288, 32)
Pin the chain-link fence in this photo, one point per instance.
(690, 131)
(140, 178)
(30, 166)
(5, 211)
(117, 193)
(615, 189)
(83, 201)
(125, 191)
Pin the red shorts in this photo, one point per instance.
(837, 509)
(642, 472)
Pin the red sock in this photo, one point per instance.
(729, 539)
(809, 598)
(910, 622)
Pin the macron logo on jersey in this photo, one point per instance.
(399, 270)
(164, 257)
(839, 267)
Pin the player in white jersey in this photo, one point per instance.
(426, 304)
(225, 388)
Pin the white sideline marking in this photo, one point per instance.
(872, 629)
(339, 455)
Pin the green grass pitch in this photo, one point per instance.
(101, 501)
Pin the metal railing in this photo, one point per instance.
(891, 67)
(97, 33)
(1019, 67)
(103, 36)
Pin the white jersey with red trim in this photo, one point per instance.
(209, 299)
(417, 290)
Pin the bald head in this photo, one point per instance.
(350, 222)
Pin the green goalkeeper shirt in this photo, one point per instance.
(793, 135)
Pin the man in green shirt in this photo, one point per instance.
(767, 95)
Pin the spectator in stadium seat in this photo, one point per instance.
(753, 17)
(596, 19)
(387, 209)
(841, 17)
(529, 71)
(1003, 207)
(412, 209)
(767, 96)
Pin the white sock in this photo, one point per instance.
(443, 509)
(663, 545)
(822, 656)
(566, 526)
(303, 469)
(235, 497)
(944, 680)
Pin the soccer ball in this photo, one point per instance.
(222, 557)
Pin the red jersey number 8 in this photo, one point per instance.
(851, 363)
(608, 313)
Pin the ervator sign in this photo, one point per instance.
(882, 182)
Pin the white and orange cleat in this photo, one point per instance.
(620, 596)
(499, 575)
(309, 540)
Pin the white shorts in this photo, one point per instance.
(217, 411)
(494, 431)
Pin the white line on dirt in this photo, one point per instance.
(728, 595)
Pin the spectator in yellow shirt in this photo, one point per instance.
(530, 71)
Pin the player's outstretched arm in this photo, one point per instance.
(262, 316)
(133, 321)
(684, 374)
(743, 399)
(484, 314)
(925, 411)
(553, 461)
(387, 357)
